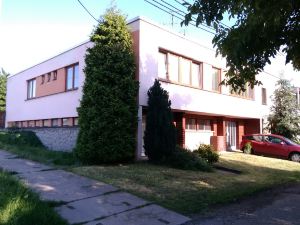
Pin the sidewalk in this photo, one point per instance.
(86, 201)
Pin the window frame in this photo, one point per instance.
(73, 66)
(219, 79)
(31, 92)
(264, 96)
(179, 69)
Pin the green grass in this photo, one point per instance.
(19, 206)
(184, 191)
(41, 154)
(192, 192)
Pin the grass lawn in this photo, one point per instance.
(19, 206)
(42, 155)
(192, 192)
(186, 192)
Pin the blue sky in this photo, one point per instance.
(34, 30)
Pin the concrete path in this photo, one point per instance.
(280, 206)
(85, 201)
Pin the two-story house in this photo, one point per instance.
(48, 94)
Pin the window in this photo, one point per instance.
(43, 79)
(185, 68)
(196, 75)
(162, 65)
(190, 124)
(55, 75)
(204, 124)
(264, 96)
(173, 67)
(48, 77)
(31, 123)
(66, 121)
(179, 69)
(54, 122)
(248, 93)
(216, 79)
(72, 77)
(31, 88)
(76, 121)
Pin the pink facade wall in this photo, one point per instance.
(59, 105)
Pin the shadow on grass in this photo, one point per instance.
(192, 192)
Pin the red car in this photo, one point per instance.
(272, 145)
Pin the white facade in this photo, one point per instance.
(149, 39)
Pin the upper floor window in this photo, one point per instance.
(55, 75)
(264, 96)
(179, 69)
(216, 79)
(48, 77)
(248, 93)
(31, 88)
(43, 79)
(72, 77)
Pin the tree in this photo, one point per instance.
(108, 109)
(160, 132)
(3, 81)
(284, 118)
(261, 29)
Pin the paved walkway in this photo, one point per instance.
(86, 201)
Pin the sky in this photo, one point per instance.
(34, 30)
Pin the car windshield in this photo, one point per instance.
(290, 141)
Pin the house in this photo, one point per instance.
(45, 97)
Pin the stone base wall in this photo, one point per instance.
(57, 138)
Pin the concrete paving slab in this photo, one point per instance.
(102, 206)
(21, 165)
(5, 155)
(148, 215)
(59, 185)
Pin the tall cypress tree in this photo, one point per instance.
(3, 81)
(108, 109)
(284, 118)
(160, 132)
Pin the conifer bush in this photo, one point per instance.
(108, 109)
(160, 132)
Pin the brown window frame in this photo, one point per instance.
(219, 80)
(73, 77)
(192, 61)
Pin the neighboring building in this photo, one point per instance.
(48, 94)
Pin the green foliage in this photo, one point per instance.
(261, 29)
(208, 153)
(20, 206)
(160, 132)
(108, 109)
(284, 118)
(184, 159)
(247, 148)
(3, 80)
(20, 138)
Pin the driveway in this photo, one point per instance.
(279, 206)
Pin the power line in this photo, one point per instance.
(182, 13)
(88, 11)
(183, 1)
(159, 6)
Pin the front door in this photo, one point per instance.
(231, 135)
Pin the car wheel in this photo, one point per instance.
(295, 157)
